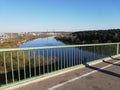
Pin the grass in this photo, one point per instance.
(15, 42)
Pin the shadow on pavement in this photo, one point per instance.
(111, 63)
(114, 58)
(102, 70)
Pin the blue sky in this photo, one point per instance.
(58, 15)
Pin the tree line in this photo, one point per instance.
(93, 36)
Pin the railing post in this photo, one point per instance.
(117, 48)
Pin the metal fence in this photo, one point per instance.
(22, 63)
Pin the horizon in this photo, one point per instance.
(61, 31)
(58, 15)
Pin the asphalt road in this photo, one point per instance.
(102, 76)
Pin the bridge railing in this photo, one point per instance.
(23, 63)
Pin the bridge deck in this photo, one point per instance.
(102, 76)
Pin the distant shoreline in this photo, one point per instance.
(91, 37)
(16, 42)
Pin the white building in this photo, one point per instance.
(3, 36)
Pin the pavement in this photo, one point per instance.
(102, 76)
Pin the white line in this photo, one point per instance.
(84, 75)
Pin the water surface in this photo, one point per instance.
(70, 55)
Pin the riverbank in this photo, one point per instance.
(15, 42)
(91, 37)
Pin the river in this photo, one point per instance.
(71, 54)
(50, 41)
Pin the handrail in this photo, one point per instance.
(21, 63)
(50, 47)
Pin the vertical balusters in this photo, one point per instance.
(43, 63)
(34, 62)
(64, 57)
(11, 55)
(88, 58)
(78, 55)
(94, 53)
(72, 56)
(117, 51)
(39, 62)
(81, 55)
(55, 59)
(61, 58)
(47, 63)
(18, 65)
(24, 65)
(69, 52)
(4, 57)
(58, 59)
(29, 63)
(51, 60)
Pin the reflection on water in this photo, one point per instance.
(50, 41)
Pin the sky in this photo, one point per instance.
(58, 15)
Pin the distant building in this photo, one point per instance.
(3, 36)
(34, 34)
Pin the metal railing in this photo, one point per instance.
(22, 63)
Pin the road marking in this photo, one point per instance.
(84, 75)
